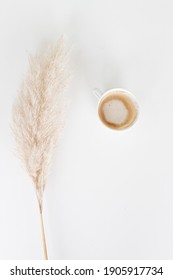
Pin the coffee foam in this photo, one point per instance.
(117, 110)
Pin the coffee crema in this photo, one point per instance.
(117, 110)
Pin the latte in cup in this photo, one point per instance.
(117, 109)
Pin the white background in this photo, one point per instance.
(110, 194)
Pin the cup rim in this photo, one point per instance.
(125, 92)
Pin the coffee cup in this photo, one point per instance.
(117, 108)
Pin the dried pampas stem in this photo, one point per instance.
(38, 116)
(43, 236)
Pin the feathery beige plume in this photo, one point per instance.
(38, 116)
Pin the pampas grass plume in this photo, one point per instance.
(38, 116)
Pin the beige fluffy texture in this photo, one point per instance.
(38, 114)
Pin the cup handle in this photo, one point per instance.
(97, 92)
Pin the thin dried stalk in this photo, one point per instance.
(38, 115)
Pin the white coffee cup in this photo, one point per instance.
(117, 108)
